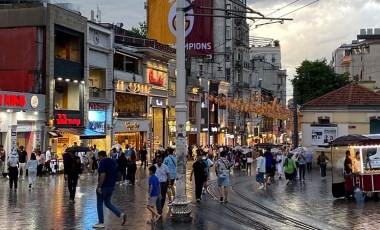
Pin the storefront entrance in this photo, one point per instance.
(134, 139)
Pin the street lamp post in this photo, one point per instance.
(180, 210)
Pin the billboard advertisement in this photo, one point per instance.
(322, 135)
(97, 121)
(162, 25)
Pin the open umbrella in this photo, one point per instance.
(299, 150)
(266, 145)
(77, 149)
(274, 150)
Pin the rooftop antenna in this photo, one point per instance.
(98, 14)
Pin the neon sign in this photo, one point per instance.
(12, 100)
(63, 120)
(155, 80)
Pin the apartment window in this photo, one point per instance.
(239, 77)
(228, 75)
(323, 120)
(239, 56)
(192, 109)
(228, 53)
(374, 126)
(125, 63)
(273, 57)
(67, 46)
(228, 32)
(172, 88)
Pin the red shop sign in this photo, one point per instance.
(12, 100)
(63, 120)
(155, 80)
(97, 106)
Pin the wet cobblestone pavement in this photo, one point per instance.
(301, 205)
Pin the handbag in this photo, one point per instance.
(249, 160)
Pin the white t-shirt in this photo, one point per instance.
(162, 172)
(48, 155)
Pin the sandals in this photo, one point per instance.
(151, 221)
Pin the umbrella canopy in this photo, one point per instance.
(266, 145)
(354, 139)
(299, 150)
(77, 149)
(274, 150)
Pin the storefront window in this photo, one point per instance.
(158, 127)
(67, 95)
(133, 139)
(97, 82)
(131, 105)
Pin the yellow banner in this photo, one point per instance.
(159, 13)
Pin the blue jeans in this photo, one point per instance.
(323, 169)
(105, 197)
(161, 202)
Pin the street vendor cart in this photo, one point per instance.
(367, 174)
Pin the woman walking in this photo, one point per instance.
(322, 161)
(31, 165)
(280, 162)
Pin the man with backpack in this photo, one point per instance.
(170, 161)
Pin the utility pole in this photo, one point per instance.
(295, 119)
(180, 210)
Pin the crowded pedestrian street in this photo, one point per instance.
(301, 205)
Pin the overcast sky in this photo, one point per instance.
(315, 32)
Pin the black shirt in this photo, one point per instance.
(199, 168)
(347, 162)
(22, 156)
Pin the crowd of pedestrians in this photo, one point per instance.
(119, 166)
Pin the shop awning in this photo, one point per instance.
(83, 133)
(53, 134)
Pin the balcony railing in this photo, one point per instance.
(96, 93)
(131, 115)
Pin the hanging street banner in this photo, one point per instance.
(198, 29)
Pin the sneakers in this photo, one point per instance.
(221, 199)
(170, 203)
(198, 200)
(203, 190)
(123, 218)
(98, 225)
(262, 187)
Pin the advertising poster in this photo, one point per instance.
(162, 25)
(97, 121)
(322, 135)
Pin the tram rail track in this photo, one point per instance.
(270, 213)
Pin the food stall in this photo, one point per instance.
(367, 176)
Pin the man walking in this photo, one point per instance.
(309, 160)
(200, 173)
(170, 161)
(22, 154)
(48, 160)
(106, 183)
(162, 172)
(72, 169)
(143, 157)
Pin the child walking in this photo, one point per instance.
(154, 188)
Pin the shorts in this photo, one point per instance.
(223, 181)
(260, 177)
(152, 201)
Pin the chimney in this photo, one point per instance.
(368, 84)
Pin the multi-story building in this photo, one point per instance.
(141, 71)
(360, 58)
(101, 83)
(265, 56)
(53, 41)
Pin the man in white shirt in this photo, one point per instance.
(162, 172)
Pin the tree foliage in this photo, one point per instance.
(142, 30)
(316, 78)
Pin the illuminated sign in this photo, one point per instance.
(68, 118)
(155, 79)
(132, 126)
(24, 101)
(134, 87)
(63, 120)
(97, 106)
(12, 100)
(34, 101)
(158, 102)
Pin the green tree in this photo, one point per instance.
(316, 78)
(142, 30)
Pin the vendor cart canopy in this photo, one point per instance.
(356, 139)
